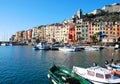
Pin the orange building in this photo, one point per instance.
(118, 30)
(71, 33)
(29, 34)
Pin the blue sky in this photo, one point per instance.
(18, 15)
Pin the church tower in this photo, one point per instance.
(79, 13)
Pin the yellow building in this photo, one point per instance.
(78, 32)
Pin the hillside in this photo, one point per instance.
(104, 16)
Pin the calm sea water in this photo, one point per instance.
(23, 65)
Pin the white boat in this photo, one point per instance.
(97, 75)
(90, 48)
(68, 49)
(56, 46)
(3, 44)
(42, 46)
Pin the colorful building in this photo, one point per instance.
(71, 33)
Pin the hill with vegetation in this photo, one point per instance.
(104, 16)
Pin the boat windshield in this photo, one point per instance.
(107, 76)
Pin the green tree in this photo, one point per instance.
(95, 37)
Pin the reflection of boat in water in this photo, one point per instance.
(42, 46)
(61, 75)
(97, 75)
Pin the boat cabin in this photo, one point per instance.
(99, 72)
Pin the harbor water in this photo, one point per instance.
(24, 65)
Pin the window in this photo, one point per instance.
(99, 75)
(78, 32)
(107, 76)
(90, 73)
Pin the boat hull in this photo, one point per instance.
(61, 75)
(83, 72)
(67, 49)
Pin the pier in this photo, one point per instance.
(7, 43)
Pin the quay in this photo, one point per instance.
(6, 43)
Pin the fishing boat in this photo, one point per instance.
(56, 46)
(97, 75)
(68, 48)
(62, 75)
(41, 46)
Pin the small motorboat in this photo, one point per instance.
(56, 46)
(68, 49)
(97, 75)
(41, 46)
(61, 75)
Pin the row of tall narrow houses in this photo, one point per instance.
(74, 30)
(106, 31)
(23, 35)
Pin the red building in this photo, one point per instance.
(71, 33)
